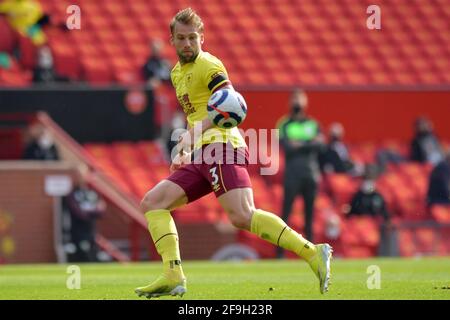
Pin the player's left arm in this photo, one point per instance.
(219, 81)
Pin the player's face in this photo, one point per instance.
(187, 41)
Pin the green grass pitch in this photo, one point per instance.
(416, 278)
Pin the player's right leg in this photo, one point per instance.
(156, 206)
(182, 186)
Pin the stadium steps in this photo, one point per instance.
(112, 248)
(121, 249)
(122, 204)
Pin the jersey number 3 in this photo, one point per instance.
(214, 175)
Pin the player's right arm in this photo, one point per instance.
(186, 144)
(179, 160)
(186, 141)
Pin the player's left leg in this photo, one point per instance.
(238, 203)
(232, 186)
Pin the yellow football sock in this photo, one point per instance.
(272, 228)
(165, 236)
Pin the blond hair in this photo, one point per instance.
(187, 16)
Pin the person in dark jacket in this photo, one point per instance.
(84, 206)
(336, 157)
(439, 183)
(367, 200)
(156, 69)
(41, 145)
(425, 146)
(302, 141)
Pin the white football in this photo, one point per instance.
(227, 108)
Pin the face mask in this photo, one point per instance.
(45, 141)
(46, 61)
(297, 108)
(332, 230)
(368, 186)
(335, 137)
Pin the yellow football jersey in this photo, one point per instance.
(194, 83)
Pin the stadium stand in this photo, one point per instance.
(317, 42)
(136, 166)
(113, 41)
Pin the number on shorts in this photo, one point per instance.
(214, 175)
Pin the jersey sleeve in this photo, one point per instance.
(216, 76)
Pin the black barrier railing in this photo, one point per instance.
(89, 114)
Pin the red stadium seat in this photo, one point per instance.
(441, 213)
(361, 230)
(406, 243)
(66, 61)
(357, 252)
(8, 37)
(426, 241)
(342, 187)
(96, 71)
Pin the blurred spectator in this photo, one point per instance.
(302, 142)
(156, 69)
(44, 71)
(425, 146)
(84, 206)
(367, 200)
(41, 146)
(336, 157)
(333, 230)
(388, 155)
(439, 183)
(27, 17)
(178, 122)
(332, 227)
(156, 72)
